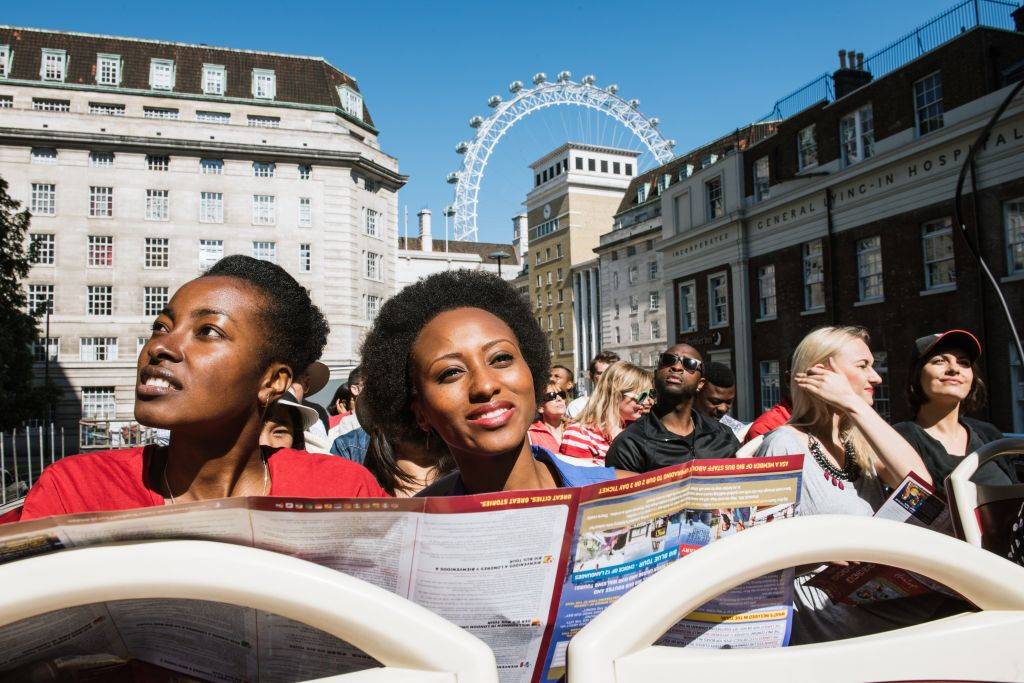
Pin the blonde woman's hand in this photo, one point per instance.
(825, 383)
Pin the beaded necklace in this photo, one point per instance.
(850, 471)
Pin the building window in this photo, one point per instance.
(213, 117)
(304, 171)
(551, 324)
(351, 101)
(140, 343)
(928, 103)
(6, 101)
(615, 280)
(807, 148)
(40, 299)
(5, 60)
(98, 403)
(631, 250)
(1013, 216)
(687, 307)
(371, 224)
(154, 299)
(654, 301)
(770, 388)
(561, 321)
(634, 274)
(881, 395)
(101, 159)
(634, 331)
(579, 163)
(161, 74)
(549, 298)
(561, 295)
(766, 291)
(718, 300)
(939, 261)
(44, 155)
(108, 69)
(160, 113)
(641, 193)
(106, 109)
(561, 277)
(540, 281)
(263, 212)
(634, 305)
(374, 266)
(561, 344)
(549, 277)
(158, 163)
(814, 276)
(158, 252)
(761, 185)
(53, 66)
(372, 306)
(616, 167)
(211, 167)
(264, 84)
(655, 329)
(265, 251)
(43, 249)
(100, 300)
(46, 348)
(663, 180)
(546, 228)
(263, 169)
(210, 251)
(211, 207)
(44, 199)
(857, 136)
(713, 196)
(254, 121)
(214, 79)
(44, 104)
(305, 258)
(618, 336)
(158, 205)
(558, 251)
(101, 202)
(305, 212)
(101, 251)
(869, 268)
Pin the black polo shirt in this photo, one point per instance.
(940, 464)
(646, 445)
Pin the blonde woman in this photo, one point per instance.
(617, 401)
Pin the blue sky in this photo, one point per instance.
(426, 67)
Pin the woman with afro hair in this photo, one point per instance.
(458, 355)
(224, 349)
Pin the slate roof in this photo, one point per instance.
(484, 249)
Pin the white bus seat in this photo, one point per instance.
(414, 644)
(983, 515)
(748, 449)
(972, 646)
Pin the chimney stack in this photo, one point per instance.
(426, 242)
(842, 59)
(851, 74)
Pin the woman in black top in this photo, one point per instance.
(943, 383)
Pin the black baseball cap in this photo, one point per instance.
(961, 339)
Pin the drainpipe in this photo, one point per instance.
(831, 252)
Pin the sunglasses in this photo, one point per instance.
(667, 360)
(642, 396)
(552, 395)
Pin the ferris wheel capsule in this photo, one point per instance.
(461, 147)
(476, 121)
(453, 177)
(493, 101)
(654, 121)
(612, 89)
(515, 86)
(588, 79)
(564, 76)
(539, 77)
(670, 143)
(449, 211)
(635, 103)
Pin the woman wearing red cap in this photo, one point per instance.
(942, 385)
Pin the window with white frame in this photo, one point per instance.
(214, 79)
(766, 307)
(641, 193)
(101, 159)
(928, 108)
(108, 69)
(44, 155)
(558, 251)
(263, 211)
(44, 249)
(305, 170)
(618, 336)
(5, 60)
(881, 394)
(158, 163)
(761, 184)
(652, 270)
(263, 169)
(106, 109)
(807, 147)
(372, 306)
(371, 224)
(634, 274)
(40, 299)
(654, 301)
(1013, 217)
(655, 329)
(616, 309)
(351, 101)
(211, 167)
(305, 258)
(46, 348)
(560, 275)
(158, 252)
(154, 299)
(374, 266)
(210, 251)
(53, 66)
(161, 74)
(98, 403)
(814, 275)
(140, 343)
(44, 199)
(549, 298)
(869, 269)
(46, 104)
(101, 202)
(634, 331)
(551, 324)
(561, 321)
(265, 251)
(101, 251)
(264, 84)
(211, 207)
(158, 205)
(713, 198)
(663, 181)
(561, 295)
(549, 277)
(218, 117)
(718, 300)
(615, 279)
(99, 300)
(305, 212)
(6, 101)
(687, 307)
(634, 305)
(771, 392)
(561, 344)
(254, 121)
(939, 260)
(857, 136)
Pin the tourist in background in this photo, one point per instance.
(618, 400)
(718, 395)
(546, 431)
(598, 364)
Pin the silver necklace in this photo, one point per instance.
(266, 480)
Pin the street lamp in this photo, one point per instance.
(498, 256)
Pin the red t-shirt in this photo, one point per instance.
(116, 480)
(333, 420)
(541, 436)
(769, 420)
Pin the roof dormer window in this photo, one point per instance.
(53, 66)
(214, 79)
(351, 101)
(264, 84)
(5, 60)
(161, 74)
(108, 69)
(641, 193)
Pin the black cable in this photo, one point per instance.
(957, 200)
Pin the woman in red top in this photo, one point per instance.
(546, 432)
(223, 349)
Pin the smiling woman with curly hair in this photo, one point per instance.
(460, 356)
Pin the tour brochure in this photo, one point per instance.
(522, 570)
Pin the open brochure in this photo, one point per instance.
(522, 570)
(912, 502)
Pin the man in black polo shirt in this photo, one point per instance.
(673, 432)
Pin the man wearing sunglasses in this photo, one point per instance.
(673, 432)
